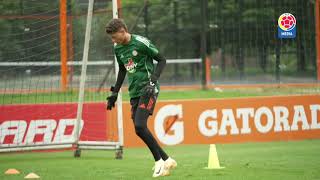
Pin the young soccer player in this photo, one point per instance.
(135, 55)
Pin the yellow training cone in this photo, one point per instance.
(12, 171)
(32, 176)
(213, 162)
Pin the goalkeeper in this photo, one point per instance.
(135, 56)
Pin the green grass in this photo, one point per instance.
(298, 160)
(72, 96)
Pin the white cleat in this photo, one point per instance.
(169, 164)
(158, 168)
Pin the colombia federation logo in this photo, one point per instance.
(287, 26)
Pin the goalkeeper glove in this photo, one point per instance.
(150, 88)
(112, 99)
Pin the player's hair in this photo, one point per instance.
(115, 25)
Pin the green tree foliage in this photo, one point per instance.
(245, 30)
(29, 30)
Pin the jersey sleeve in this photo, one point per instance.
(147, 46)
(118, 58)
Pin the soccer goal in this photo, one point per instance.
(51, 104)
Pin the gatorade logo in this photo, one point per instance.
(168, 125)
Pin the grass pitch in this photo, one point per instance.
(295, 160)
(72, 96)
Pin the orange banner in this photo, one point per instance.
(230, 120)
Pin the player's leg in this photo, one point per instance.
(140, 116)
(140, 125)
(169, 162)
(146, 105)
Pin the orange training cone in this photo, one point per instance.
(12, 171)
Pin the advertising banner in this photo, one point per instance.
(198, 121)
(50, 123)
(211, 121)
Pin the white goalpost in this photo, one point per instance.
(36, 113)
(118, 146)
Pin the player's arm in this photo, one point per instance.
(121, 75)
(159, 68)
(150, 88)
(115, 89)
(153, 52)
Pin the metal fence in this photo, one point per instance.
(241, 37)
(241, 40)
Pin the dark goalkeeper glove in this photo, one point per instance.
(150, 88)
(112, 99)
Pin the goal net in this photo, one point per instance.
(55, 76)
(54, 79)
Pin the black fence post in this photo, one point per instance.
(146, 19)
(176, 40)
(203, 49)
(278, 54)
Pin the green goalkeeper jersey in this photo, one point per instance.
(136, 57)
